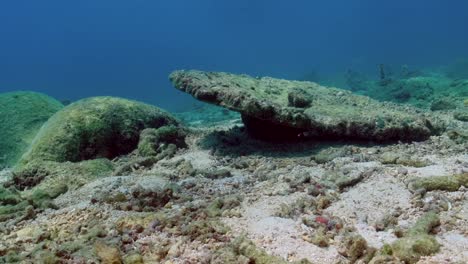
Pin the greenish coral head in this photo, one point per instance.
(97, 127)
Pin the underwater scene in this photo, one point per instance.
(246, 131)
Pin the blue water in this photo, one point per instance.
(76, 49)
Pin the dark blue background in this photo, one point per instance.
(75, 49)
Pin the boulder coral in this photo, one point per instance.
(92, 128)
(97, 127)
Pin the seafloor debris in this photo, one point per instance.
(281, 109)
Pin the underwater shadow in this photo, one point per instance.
(236, 142)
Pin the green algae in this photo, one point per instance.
(394, 158)
(242, 250)
(15, 204)
(445, 183)
(21, 116)
(428, 92)
(75, 141)
(320, 237)
(461, 116)
(219, 205)
(108, 254)
(356, 247)
(140, 199)
(18, 204)
(98, 127)
(134, 258)
(75, 174)
(153, 141)
(415, 243)
(297, 207)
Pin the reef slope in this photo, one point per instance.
(21, 116)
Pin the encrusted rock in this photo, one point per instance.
(98, 127)
(92, 128)
(281, 109)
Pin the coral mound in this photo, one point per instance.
(281, 109)
(21, 116)
(98, 127)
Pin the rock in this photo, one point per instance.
(461, 115)
(425, 91)
(405, 160)
(74, 174)
(21, 116)
(449, 183)
(14, 204)
(98, 127)
(417, 242)
(108, 254)
(442, 104)
(90, 129)
(329, 154)
(27, 234)
(353, 247)
(281, 109)
(134, 259)
(216, 173)
(154, 140)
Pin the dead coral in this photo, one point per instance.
(15, 204)
(76, 173)
(155, 140)
(241, 250)
(395, 158)
(416, 242)
(445, 183)
(355, 247)
(139, 199)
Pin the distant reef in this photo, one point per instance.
(276, 109)
(21, 116)
(439, 90)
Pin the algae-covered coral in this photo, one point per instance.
(100, 127)
(292, 109)
(446, 183)
(417, 242)
(21, 116)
